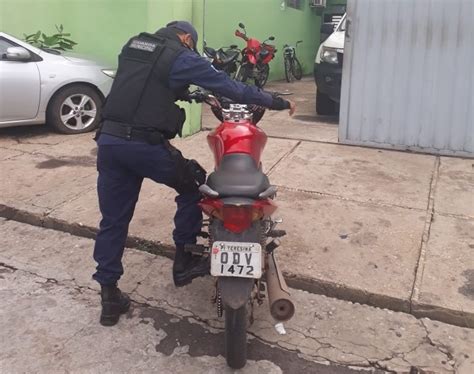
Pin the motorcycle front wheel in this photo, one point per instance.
(262, 76)
(243, 73)
(236, 336)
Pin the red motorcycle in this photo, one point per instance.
(239, 201)
(255, 59)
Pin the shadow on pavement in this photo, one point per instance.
(26, 131)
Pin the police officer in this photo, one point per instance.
(139, 117)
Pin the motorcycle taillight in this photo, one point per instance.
(237, 218)
(212, 207)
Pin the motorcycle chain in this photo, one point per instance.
(219, 304)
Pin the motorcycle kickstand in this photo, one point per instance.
(216, 299)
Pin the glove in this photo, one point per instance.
(280, 103)
(184, 96)
(196, 171)
(197, 96)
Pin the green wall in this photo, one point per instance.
(101, 27)
(336, 2)
(263, 18)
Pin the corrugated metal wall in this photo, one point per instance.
(408, 75)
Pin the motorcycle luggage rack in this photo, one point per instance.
(269, 192)
(206, 190)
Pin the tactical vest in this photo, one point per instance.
(140, 96)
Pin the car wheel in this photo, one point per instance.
(75, 109)
(324, 105)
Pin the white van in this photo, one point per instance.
(328, 68)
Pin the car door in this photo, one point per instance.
(19, 86)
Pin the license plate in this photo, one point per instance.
(235, 259)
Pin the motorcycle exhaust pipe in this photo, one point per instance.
(281, 306)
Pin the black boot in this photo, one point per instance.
(186, 267)
(114, 303)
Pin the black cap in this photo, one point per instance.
(187, 28)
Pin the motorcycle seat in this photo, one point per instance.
(210, 52)
(227, 56)
(238, 176)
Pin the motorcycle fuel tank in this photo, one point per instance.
(237, 137)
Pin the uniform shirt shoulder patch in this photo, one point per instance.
(143, 45)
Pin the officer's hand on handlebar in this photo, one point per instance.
(282, 104)
(185, 96)
(197, 96)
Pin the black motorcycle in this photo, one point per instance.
(225, 59)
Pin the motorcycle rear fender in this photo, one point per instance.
(235, 292)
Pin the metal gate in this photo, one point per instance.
(408, 75)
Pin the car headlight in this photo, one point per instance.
(329, 55)
(109, 72)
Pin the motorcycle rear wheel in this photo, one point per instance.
(236, 337)
(296, 69)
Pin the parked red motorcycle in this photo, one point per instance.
(255, 59)
(239, 201)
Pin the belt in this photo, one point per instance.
(133, 133)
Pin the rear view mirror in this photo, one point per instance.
(241, 25)
(18, 54)
(233, 46)
(271, 38)
(327, 28)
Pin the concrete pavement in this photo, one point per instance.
(388, 229)
(50, 310)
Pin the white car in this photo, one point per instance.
(328, 68)
(47, 86)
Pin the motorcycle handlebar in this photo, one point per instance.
(218, 103)
(241, 35)
(200, 96)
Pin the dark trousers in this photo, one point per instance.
(122, 169)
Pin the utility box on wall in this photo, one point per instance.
(408, 76)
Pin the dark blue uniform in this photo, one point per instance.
(123, 164)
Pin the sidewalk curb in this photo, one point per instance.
(312, 285)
